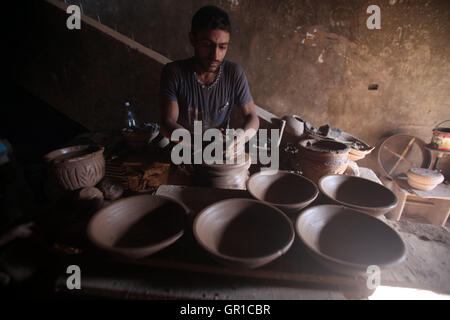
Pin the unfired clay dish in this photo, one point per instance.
(288, 191)
(243, 233)
(138, 226)
(348, 241)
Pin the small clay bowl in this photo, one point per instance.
(424, 179)
(287, 191)
(243, 233)
(358, 193)
(358, 148)
(138, 226)
(348, 241)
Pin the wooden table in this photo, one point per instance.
(436, 201)
(185, 271)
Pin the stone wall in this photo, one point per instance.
(315, 59)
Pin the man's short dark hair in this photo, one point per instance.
(210, 18)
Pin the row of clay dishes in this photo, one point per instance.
(291, 192)
(237, 232)
(346, 236)
(122, 228)
(240, 233)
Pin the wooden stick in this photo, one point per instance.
(402, 156)
(399, 156)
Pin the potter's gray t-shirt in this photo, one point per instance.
(210, 104)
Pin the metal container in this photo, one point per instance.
(138, 226)
(441, 137)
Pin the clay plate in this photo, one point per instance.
(358, 193)
(287, 191)
(138, 226)
(243, 233)
(348, 241)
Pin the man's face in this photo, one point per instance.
(210, 48)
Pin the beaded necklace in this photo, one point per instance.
(213, 83)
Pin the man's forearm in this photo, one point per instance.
(251, 126)
(169, 126)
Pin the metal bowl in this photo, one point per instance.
(358, 193)
(348, 241)
(243, 233)
(138, 226)
(287, 191)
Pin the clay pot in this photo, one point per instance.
(77, 167)
(322, 157)
(347, 241)
(358, 148)
(287, 191)
(424, 179)
(138, 226)
(355, 154)
(243, 233)
(295, 127)
(223, 176)
(358, 193)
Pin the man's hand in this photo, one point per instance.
(236, 147)
(240, 138)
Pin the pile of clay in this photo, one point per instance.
(146, 127)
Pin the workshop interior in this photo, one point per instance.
(226, 150)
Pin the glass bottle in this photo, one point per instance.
(130, 119)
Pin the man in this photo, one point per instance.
(206, 87)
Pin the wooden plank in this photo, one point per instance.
(267, 274)
(107, 278)
(263, 114)
(114, 34)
